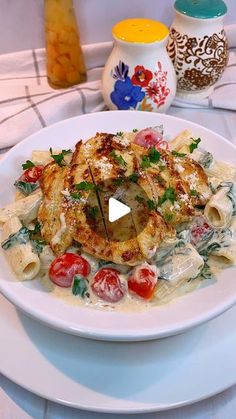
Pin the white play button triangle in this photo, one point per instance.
(116, 210)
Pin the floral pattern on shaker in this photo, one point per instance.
(126, 95)
(140, 91)
(141, 76)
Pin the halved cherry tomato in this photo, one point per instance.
(199, 231)
(106, 285)
(142, 281)
(150, 137)
(63, 269)
(32, 175)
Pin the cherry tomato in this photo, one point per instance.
(142, 281)
(106, 285)
(199, 231)
(150, 137)
(32, 175)
(63, 269)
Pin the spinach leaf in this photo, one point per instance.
(26, 187)
(80, 286)
(20, 237)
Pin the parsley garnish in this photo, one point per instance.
(176, 154)
(118, 159)
(169, 194)
(151, 204)
(80, 286)
(93, 212)
(145, 163)
(168, 216)
(84, 186)
(75, 195)
(135, 130)
(193, 192)
(133, 177)
(139, 199)
(154, 155)
(194, 144)
(119, 134)
(59, 158)
(119, 181)
(28, 164)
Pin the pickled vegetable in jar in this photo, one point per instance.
(65, 63)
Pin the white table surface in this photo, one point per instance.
(17, 403)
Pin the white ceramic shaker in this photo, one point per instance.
(198, 46)
(139, 73)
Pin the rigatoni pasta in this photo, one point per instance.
(20, 253)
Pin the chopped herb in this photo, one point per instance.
(145, 163)
(118, 159)
(20, 237)
(84, 186)
(176, 154)
(27, 164)
(119, 134)
(194, 144)
(139, 199)
(75, 195)
(98, 188)
(169, 194)
(193, 192)
(59, 158)
(119, 181)
(161, 166)
(168, 216)
(154, 155)
(133, 177)
(135, 130)
(93, 212)
(159, 178)
(39, 245)
(80, 286)
(26, 187)
(151, 204)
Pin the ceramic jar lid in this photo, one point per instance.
(202, 9)
(143, 31)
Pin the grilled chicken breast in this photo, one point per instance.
(76, 197)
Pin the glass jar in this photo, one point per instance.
(139, 73)
(65, 63)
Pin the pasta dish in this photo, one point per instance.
(180, 232)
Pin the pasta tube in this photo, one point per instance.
(43, 157)
(24, 262)
(182, 142)
(226, 253)
(220, 208)
(25, 209)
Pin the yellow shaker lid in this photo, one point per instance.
(140, 30)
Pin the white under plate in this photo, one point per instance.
(118, 377)
(184, 313)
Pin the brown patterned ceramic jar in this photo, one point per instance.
(198, 46)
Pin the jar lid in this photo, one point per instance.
(202, 9)
(140, 30)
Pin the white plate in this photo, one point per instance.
(180, 315)
(118, 377)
